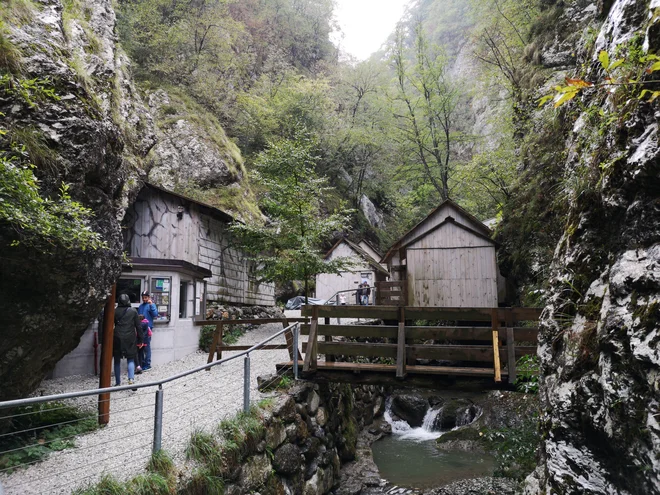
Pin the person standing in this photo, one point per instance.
(127, 336)
(149, 310)
(366, 292)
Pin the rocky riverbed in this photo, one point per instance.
(467, 417)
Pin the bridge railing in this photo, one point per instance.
(497, 344)
(139, 423)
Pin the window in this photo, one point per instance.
(132, 287)
(160, 294)
(183, 300)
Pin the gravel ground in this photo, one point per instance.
(124, 446)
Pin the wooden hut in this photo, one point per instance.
(181, 251)
(446, 260)
(367, 268)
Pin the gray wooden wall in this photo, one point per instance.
(152, 230)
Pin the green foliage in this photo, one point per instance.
(203, 482)
(52, 427)
(426, 107)
(528, 370)
(10, 55)
(162, 464)
(46, 223)
(17, 12)
(204, 448)
(514, 449)
(206, 337)
(148, 484)
(107, 486)
(287, 247)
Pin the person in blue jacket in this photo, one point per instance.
(149, 310)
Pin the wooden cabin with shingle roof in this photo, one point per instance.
(446, 260)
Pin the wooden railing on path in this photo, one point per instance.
(491, 351)
(393, 293)
(217, 347)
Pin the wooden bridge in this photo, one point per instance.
(475, 343)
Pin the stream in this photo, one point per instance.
(409, 457)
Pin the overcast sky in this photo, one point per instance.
(366, 24)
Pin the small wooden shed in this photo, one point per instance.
(368, 268)
(446, 260)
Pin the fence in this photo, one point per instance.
(140, 423)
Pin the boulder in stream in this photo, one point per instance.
(410, 408)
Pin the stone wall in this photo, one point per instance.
(310, 431)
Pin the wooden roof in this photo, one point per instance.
(478, 227)
(361, 253)
(212, 210)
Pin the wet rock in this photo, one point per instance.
(285, 408)
(255, 472)
(455, 412)
(286, 459)
(313, 402)
(410, 408)
(321, 416)
(275, 434)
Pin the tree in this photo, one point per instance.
(286, 247)
(426, 107)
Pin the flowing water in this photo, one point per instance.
(409, 457)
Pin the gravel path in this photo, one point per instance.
(124, 446)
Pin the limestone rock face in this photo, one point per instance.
(190, 152)
(600, 331)
(50, 297)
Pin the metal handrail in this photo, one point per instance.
(156, 383)
(373, 289)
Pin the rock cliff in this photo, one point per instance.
(48, 298)
(600, 331)
(97, 134)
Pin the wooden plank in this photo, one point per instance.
(496, 345)
(355, 349)
(383, 285)
(452, 314)
(521, 334)
(524, 314)
(454, 352)
(309, 362)
(391, 368)
(373, 331)
(392, 292)
(259, 321)
(370, 312)
(511, 355)
(401, 346)
(217, 339)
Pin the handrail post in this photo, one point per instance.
(296, 329)
(337, 304)
(510, 347)
(158, 420)
(401, 346)
(246, 384)
(106, 356)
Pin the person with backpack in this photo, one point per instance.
(127, 336)
(149, 310)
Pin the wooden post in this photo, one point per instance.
(217, 341)
(401, 346)
(496, 344)
(106, 355)
(511, 348)
(289, 342)
(310, 355)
